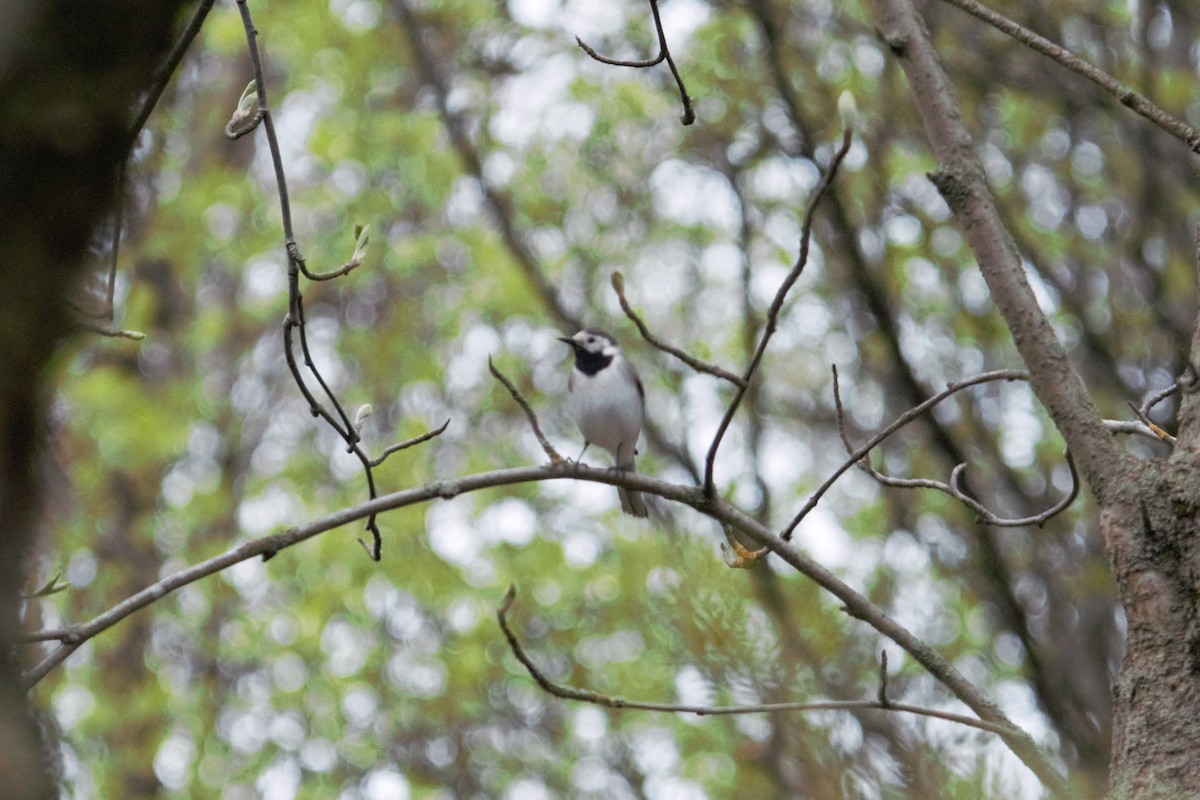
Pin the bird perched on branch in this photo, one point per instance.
(608, 404)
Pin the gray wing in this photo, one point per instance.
(628, 372)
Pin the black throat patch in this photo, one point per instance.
(590, 363)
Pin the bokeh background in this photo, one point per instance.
(488, 153)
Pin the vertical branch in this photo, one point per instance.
(773, 312)
(295, 315)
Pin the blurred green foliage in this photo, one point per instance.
(323, 674)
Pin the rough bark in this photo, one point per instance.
(1151, 542)
(69, 73)
(1154, 548)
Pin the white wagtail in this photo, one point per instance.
(608, 403)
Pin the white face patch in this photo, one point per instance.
(594, 343)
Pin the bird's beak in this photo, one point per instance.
(567, 340)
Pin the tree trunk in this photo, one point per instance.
(1156, 700)
(69, 74)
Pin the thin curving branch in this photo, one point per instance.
(1054, 686)
(416, 440)
(913, 413)
(1124, 94)
(548, 448)
(776, 306)
(344, 269)
(883, 703)
(955, 486)
(618, 284)
(664, 53)
(1159, 396)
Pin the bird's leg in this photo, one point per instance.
(621, 464)
(578, 458)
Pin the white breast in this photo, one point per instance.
(607, 407)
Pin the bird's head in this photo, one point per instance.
(592, 341)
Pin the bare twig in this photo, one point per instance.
(954, 487)
(1156, 398)
(908, 416)
(1132, 427)
(296, 266)
(1144, 416)
(344, 269)
(610, 701)
(689, 115)
(617, 62)
(347, 433)
(346, 428)
(1124, 94)
(618, 284)
(396, 448)
(776, 306)
(548, 448)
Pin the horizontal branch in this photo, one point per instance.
(854, 603)
(609, 701)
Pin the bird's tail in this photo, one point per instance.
(632, 503)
